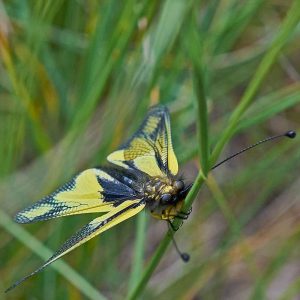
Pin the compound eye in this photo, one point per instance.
(178, 185)
(165, 198)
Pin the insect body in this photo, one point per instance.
(142, 173)
(165, 197)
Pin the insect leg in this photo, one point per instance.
(180, 216)
(183, 215)
(171, 226)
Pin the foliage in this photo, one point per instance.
(76, 79)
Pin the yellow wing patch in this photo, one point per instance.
(124, 211)
(150, 149)
(82, 194)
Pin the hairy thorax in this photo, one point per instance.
(164, 197)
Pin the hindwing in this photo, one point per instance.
(117, 215)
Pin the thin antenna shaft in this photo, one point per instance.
(290, 134)
(184, 256)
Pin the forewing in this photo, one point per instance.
(150, 149)
(92, 190)
(124, 211)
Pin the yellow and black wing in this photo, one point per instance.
(91, 191)
(125, 210)
(150, 149)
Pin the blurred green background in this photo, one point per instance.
(77, 78)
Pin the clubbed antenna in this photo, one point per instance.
(290, 134)
(183, 255)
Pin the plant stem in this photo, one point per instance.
(202, 122)
(42, 251)
(286, 31)
(271, 55)
(137, 263)
(165, 242)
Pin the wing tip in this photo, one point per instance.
(14, 285)
(21, 219)
(159, 108)
(10, 288)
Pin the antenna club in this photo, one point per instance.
(290, 134)
(185, 257)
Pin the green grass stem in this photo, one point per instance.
(42, 251)
(139, 250)
(285, 32)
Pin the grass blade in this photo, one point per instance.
(139, 249)
(42, 251)
(286, 30)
